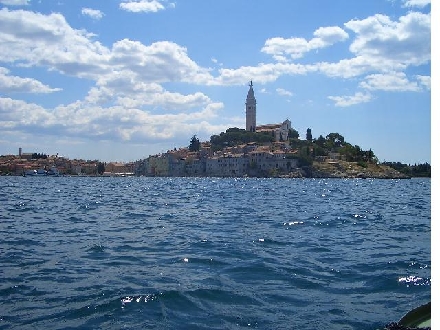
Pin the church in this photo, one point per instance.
(279, 131)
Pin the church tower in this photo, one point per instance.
(251, 110)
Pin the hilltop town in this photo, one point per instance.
(270, 150)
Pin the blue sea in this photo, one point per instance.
(212, 253)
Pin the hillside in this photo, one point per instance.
(324, 157)
(344, 169)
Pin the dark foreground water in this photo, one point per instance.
(208, 253)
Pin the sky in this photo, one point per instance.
(120, 80)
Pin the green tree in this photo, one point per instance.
(309, 135)
(235, 136)
(293, 134)
(101, 168)
(336, 139)
(194, 144)
(320, 141)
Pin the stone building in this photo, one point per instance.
(251, 110)
(227, 165)
(279, 131)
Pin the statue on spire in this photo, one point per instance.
(250, 85)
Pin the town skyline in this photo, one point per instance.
(72, 84)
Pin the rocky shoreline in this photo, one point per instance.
(343, 169)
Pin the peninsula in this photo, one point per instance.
(269, 150)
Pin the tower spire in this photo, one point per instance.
(251, 109)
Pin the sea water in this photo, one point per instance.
(212, 253)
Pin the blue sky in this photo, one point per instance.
(120, 80)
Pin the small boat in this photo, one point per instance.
(53, 171)
(30, 172)
(416, 319)
(39, 172)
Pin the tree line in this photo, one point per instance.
(416, 170)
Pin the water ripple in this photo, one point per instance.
(212, 253)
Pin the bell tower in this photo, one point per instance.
(251, 110)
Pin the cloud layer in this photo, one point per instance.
(128, 99)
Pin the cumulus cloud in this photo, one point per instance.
(112, 123)
(425, 81)
(416, 3)
(391, 82)
(15, 2)
(346, 101)
(137, 6)
(283, 49)
(262, 73)
(283, 92)
(402, 43)
(92, 13)
(379, 45)
(35, 39)
(14, 84)
(127, 101)
(17, 113)
(161, 61)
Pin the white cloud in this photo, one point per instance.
(127, 102)
(262, 73)
(391, 82)
(402, 43)
(48, 41)
(283, 92)
(34, 39)
(160, 62)
(352, 67)
(346, 101)
(15, 113)
(115, 123)
(137, 6)
(13, 84)
(416, 3)
(165, 100)
(15, 2)
(93, 13)
(425, 81)
(380, 45)
(327, 36)
(295, 48)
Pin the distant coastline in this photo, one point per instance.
(324, 168)
(270, 150)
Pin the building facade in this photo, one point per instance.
(279, 131)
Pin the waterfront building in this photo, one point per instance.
(159, 165)
(227, 165)
(266, 161)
